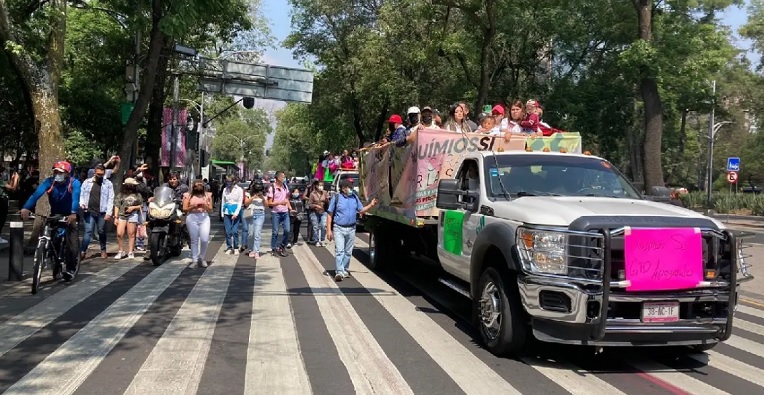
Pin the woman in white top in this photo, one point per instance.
(254, 216)
(457, 122)
(233, 200)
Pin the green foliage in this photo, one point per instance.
(79, 149)
(242, 137)
(295, 146)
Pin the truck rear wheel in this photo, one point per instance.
(500, 316)
(377, 254)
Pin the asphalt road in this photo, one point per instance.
(283, 326)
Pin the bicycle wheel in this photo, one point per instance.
(39, 262)
(57, 264)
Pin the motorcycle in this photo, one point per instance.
(166, 223)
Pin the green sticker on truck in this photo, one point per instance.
(452, 231)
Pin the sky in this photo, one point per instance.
(277, 11)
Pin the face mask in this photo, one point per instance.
(320, 187)
(427, 120)
(227, 184)
(98, 179)
(346, 191)
(295, 195)
(59, 178)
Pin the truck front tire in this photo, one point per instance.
(500, 316)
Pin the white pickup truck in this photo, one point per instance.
(562, 247)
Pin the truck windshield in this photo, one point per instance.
(555, 175)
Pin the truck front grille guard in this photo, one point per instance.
(713, 255)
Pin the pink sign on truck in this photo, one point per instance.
(663, 259)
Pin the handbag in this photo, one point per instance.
(249, 212)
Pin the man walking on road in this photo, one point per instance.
(278, 200)
(97, 204)
(340, 225)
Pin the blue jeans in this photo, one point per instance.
(318, 222)
(344, 239)
(94, 222)
(277, 220)
(231, 231)
(243, 224)
(255, 229)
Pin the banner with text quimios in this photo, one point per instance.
(406, 178)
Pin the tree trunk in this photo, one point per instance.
(648, 87)
(489, 33)
(134, 122)
(156, 109)
(683, 132)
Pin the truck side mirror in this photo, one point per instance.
(448, 195)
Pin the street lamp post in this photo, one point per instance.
(713, 128)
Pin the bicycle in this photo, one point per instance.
(51, 248)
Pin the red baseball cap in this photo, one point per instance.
(395, 118)
(497, 109)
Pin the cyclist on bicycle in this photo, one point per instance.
(63, 192)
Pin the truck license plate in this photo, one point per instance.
(660, 312)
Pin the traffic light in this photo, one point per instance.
(248, 102)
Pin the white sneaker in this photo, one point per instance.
(130, 256)
(236, 252)
(202, 263)
(229, 252)
(289, 245)
(119, 255)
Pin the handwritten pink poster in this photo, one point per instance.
(663, 259)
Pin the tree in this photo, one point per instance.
(213, 21)
(242, 137)
(33, 38)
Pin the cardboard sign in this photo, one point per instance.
(663, 259)
(452, 231)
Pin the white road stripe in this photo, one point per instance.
(732, 366)
(746, 345)
(176, 363)
(478, 378)
(369, 368)
(24, 325)
(750, 311)
(748, 326)
(273, 352)
(675, 378)
(82, 353)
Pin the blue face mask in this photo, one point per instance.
(227, 184)
(59, 178)
(295, 195)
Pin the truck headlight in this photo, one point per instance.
(542, 251)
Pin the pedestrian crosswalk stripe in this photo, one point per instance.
(750, 311)
(82, 353)
(273, 352)
(732, 366)
(746, 345)
(177, 361)
(674, 377)
(370, 370)
(20, 327)
(748, 326)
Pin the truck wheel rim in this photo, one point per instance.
(490, 310)
(373, 248)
